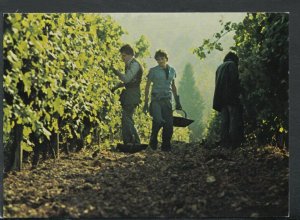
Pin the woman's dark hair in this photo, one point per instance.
(231, 56)
(127, 49)
(161, 53)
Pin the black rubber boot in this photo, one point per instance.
(166, 147)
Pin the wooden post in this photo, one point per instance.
(56, 145)
(18, 158)
(18, 153)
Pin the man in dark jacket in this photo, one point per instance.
(131, 95)
(226, 101)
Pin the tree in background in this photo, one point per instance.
(192, 102)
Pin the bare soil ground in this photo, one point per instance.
(189, 181)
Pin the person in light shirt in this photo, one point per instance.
(162, 78)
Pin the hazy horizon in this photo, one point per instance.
(179, 34)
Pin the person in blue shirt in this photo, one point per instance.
(162, 78)
(131, 95)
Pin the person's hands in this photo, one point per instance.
(116, 72)
(119, 85)
(178, 106)
(177, 103)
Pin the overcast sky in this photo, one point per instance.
(177, 33)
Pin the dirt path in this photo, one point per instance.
(190, 181)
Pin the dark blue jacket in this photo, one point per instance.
(227, 86)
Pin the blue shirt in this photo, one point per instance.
(162, 86)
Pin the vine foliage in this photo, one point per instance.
(261, 43)
(57, 78)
